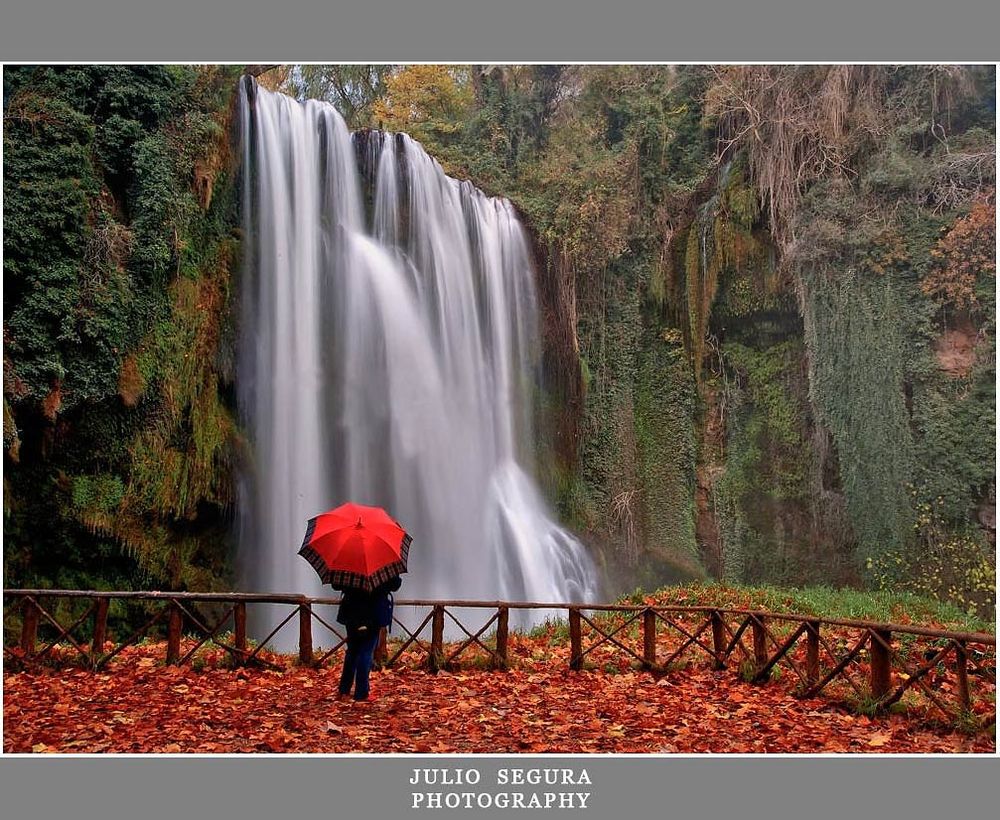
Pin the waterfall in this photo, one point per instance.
(388, 361)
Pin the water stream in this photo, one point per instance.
(388, 360)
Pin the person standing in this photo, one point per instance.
(363, 614)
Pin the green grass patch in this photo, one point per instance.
(849, 604)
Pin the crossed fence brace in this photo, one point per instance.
(822, 664)
(716, 634)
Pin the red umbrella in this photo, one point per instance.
(356, 546)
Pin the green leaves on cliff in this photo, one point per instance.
(117, 260)
(855, 339)
(48, 184)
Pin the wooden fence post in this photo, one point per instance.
(812, 652)
(100, 627)
(29, 626)
(305, 634)
(962, 671)
(436, 658)
(648, 639)
(718, 639)
(759, 642)
(503, 631)
(174, 633)
(881, 673)
(381, 648)
(575, 639)
(240, 630)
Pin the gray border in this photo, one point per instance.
(636, 788)
(499, 30)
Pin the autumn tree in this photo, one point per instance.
(963, 256)
(427, 101)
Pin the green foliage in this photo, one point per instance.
(353, 89)
(764, 389)
(608, 457)
(151, 194)
(856, 353)
(638, 450)
(941, 564)
(100, 492)
(661, 110)
(45, 234)
(955, 436)
(884, 606)
(667, 449)
(723, 240)
(762, 495)
(515, 105)
(111, 384)
(183, 458)
(867, 316)
(77, 140)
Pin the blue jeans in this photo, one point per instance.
(358, 662)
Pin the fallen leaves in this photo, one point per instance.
(139, 705)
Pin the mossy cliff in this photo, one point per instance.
(121, 242)
(770, 313)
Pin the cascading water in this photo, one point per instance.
(389, 366)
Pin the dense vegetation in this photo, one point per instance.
(119, 431)
(768, 292)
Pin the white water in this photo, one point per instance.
(389, 365)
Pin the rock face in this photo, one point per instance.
(955, 349)
(710, 471)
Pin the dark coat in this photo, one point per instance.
(369, 610)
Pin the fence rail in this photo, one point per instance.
(895, 660)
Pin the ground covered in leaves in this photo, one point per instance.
(140, 705)
(137, 704)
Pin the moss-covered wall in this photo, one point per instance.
(667, 445)
(786, 382)
(120, 244)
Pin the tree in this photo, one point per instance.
(425, 100)
(352, 89)
(963, 256)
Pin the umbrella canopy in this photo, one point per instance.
(356, 546)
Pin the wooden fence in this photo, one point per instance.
(880, 662)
